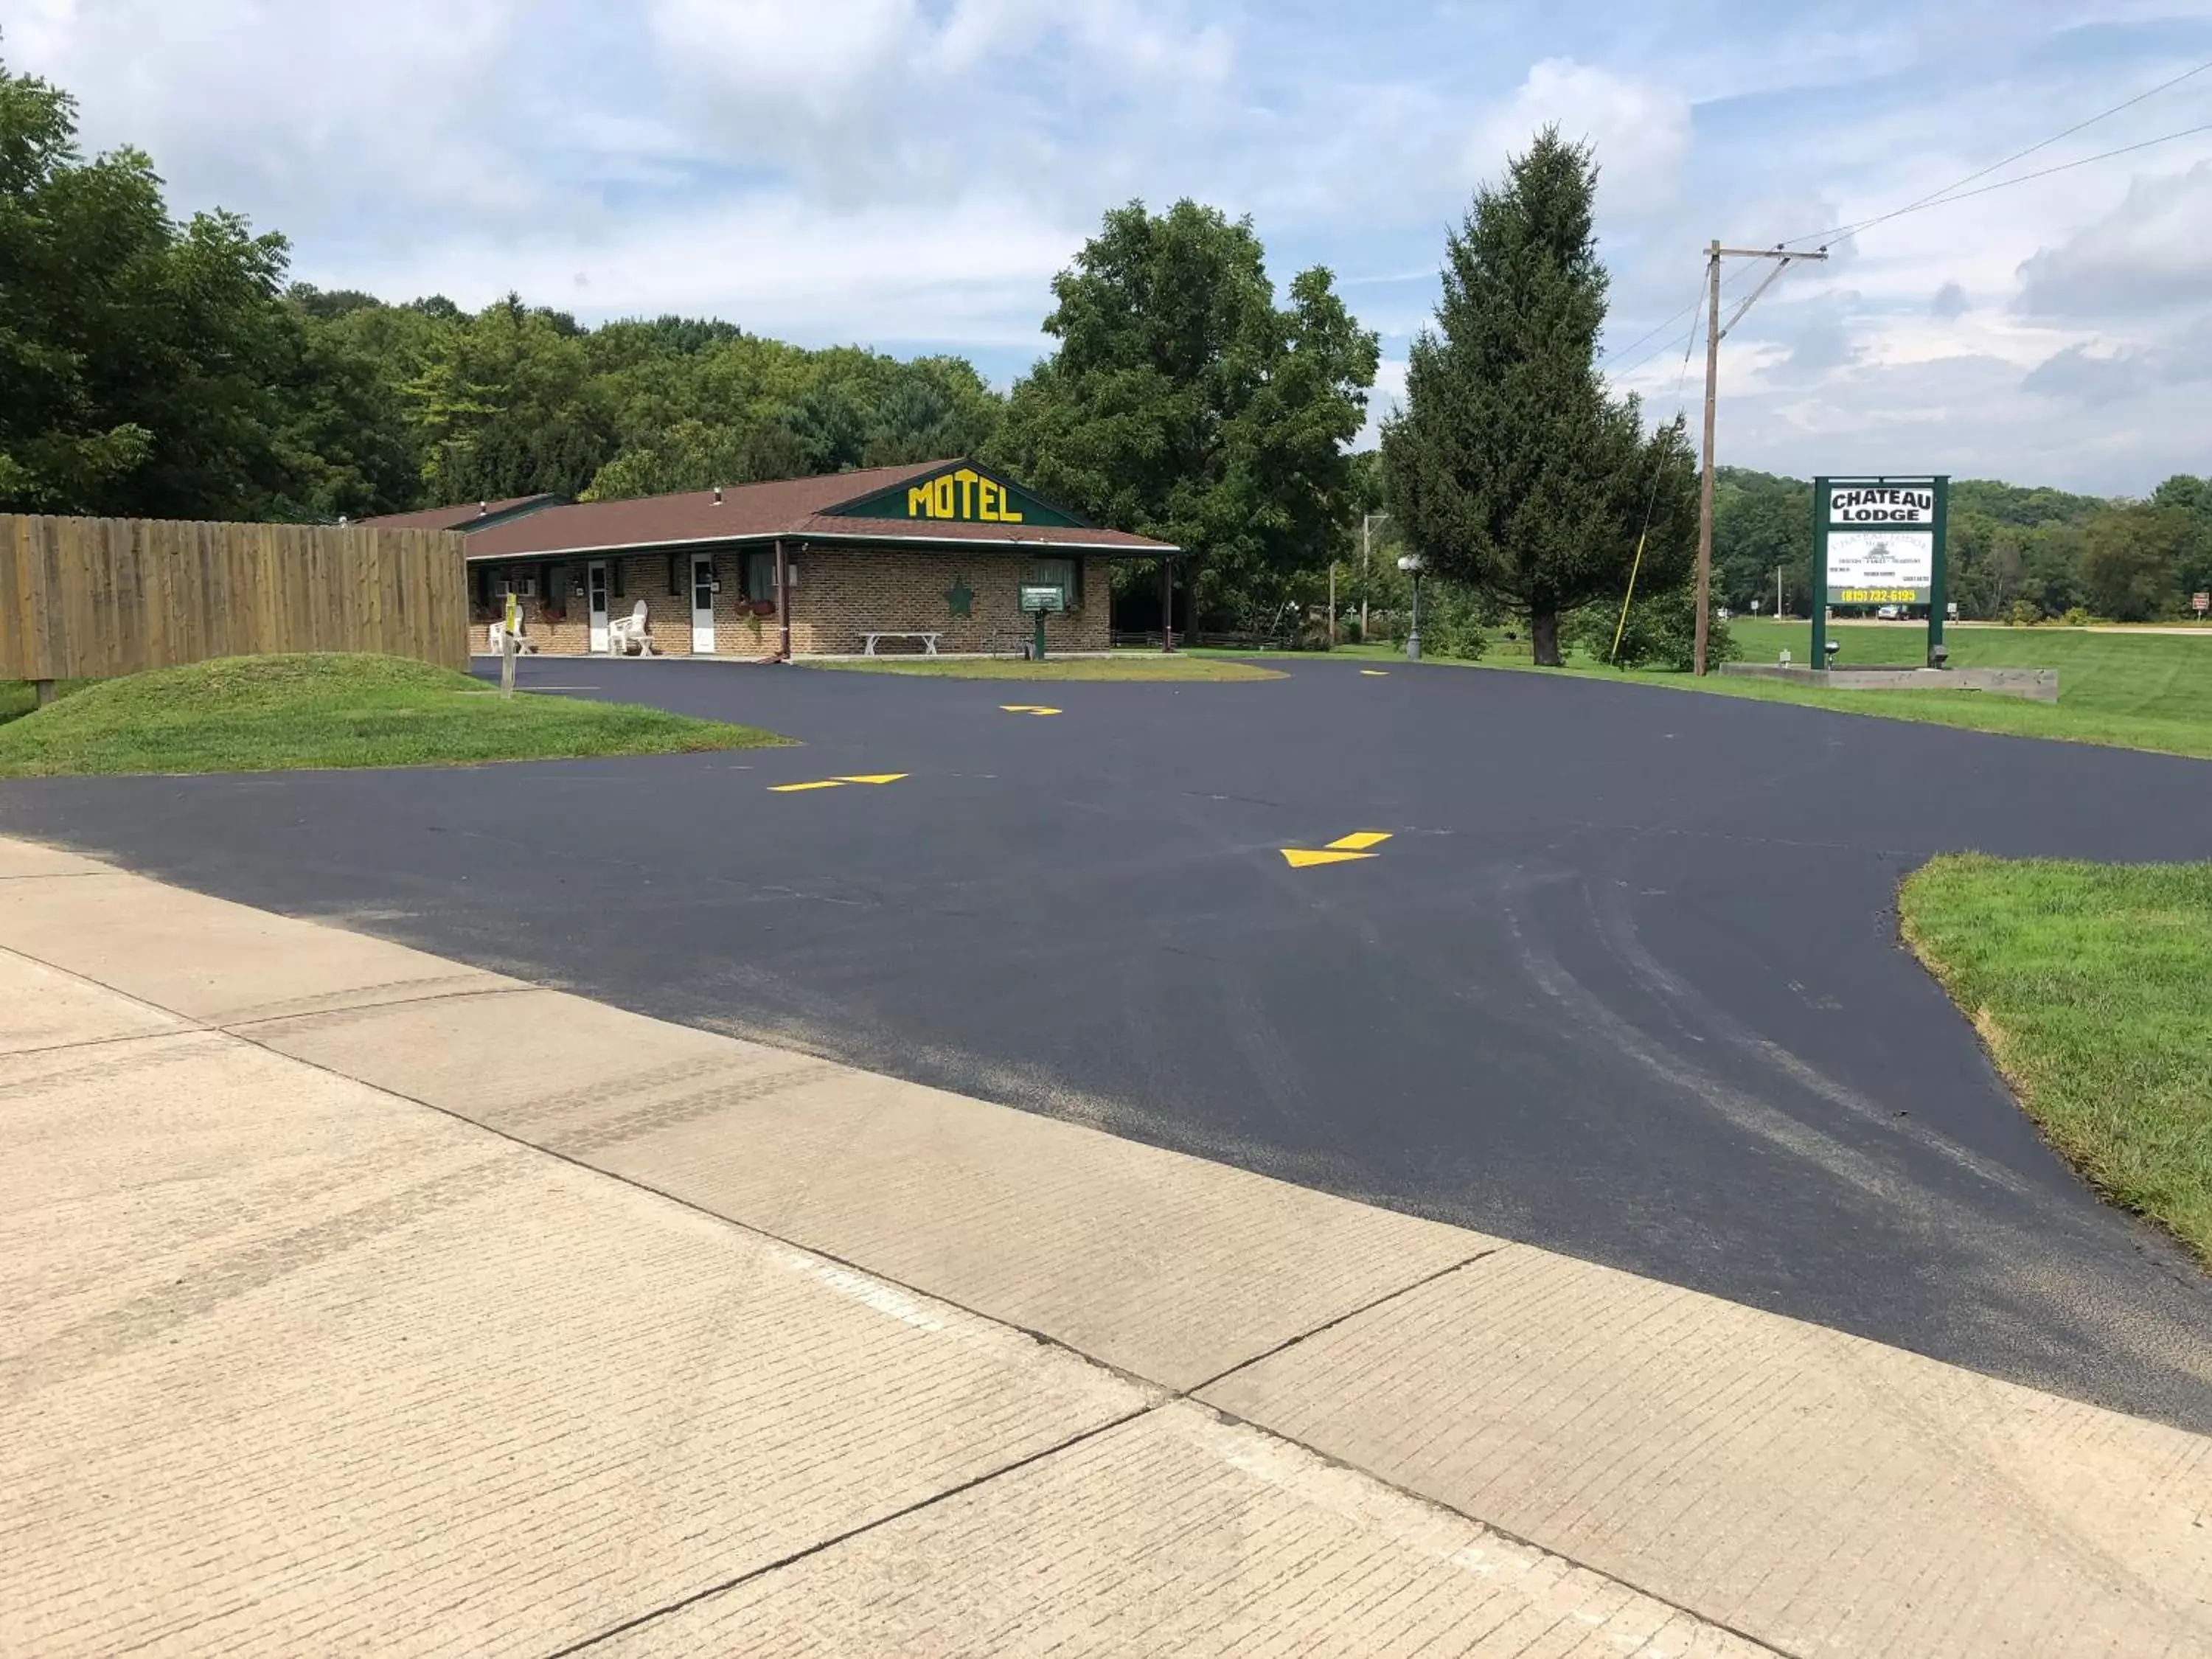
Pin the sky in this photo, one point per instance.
(909, 174)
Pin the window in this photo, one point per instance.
(523, 586)
(1066, 575)
(760, 576)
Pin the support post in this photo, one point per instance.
(1705, 475)
(782, 602)
(1332, 604)
(1939, 585)
(1366, 524)
(44, 691)
(1167, 606)
(1817, 600)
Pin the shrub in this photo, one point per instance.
(2075, 616)
(1451, 623)
(1661, 632)
(2023, 613)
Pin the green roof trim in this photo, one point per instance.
(960, 493)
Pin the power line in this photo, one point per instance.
(1665, 346)
(1945, 193)
(2041, 173)
(1942, 199)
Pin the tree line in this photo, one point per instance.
(2015, 554)
(154, 368)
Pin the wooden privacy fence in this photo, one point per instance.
(93, 598)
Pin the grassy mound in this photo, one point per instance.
(277, 712)
(2087, 983)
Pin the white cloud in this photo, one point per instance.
(1640, 130)
(2150, 253)
(968, 271)
(302, 114)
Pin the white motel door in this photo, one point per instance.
(702, 603)
(595, 584)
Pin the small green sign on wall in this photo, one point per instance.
(960, 494)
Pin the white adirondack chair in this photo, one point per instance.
(524, 646)
(627, 634)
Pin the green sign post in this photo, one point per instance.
(1880, 541)
(1037, 600)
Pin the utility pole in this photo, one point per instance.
(1716, 332)
(1366, 520)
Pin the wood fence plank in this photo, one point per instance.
(84, 598)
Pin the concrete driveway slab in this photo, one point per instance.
(1165, 1265)
(297, 1367)
(1179, 1533)
(210, 959)
(42, 1007)
(1821, 1492)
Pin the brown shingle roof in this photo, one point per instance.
(793, 508)
(458, 517)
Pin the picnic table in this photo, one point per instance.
(868, 640)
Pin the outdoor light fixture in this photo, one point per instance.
(1939, 656)
(1833, 648)
(1410, 564)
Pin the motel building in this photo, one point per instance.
(944, 554)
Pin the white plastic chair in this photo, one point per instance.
(628, 633)
(523, 646)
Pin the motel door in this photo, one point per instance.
(595, 584)
(702, 603)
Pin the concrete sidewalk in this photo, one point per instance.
(361, 1301)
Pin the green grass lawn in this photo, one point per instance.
(2088, 982)
(2130, 690)
(1130, 665)
(274, 714)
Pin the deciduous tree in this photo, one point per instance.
(1184, 403)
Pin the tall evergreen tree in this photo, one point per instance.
(1510, 467)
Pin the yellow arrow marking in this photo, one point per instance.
(1377, 673)
(1027, 708)
(837, 783)
(1299, 857)
(1343, 850)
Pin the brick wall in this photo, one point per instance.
(838, 594)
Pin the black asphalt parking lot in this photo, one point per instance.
(1624, 981)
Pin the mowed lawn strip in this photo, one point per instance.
(1136, 666)
(278, 713)
(2128, 690)
(2091, 986)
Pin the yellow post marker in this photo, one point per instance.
(510, 630)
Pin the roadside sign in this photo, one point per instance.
(1043, 598)
(1879, 541)
(2200, 603)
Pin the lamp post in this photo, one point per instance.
(1410, 564)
